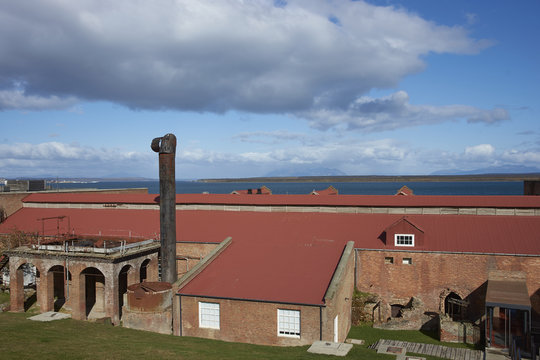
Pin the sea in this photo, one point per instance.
(344, 188)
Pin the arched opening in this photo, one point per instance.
(144, 270)
(25, 283)
(94, 293)
(123, 279)
(453, 306)
(61, 281)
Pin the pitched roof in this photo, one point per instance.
(448, 233)
(270, 268)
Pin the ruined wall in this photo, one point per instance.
(106, 292)
(249, 322)
(458, 331)
(432, 276)
(188, 254)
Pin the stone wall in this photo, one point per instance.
(458, 331)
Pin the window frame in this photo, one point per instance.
(285, 331)
(398, 235)
(407, 261)
(209, 323)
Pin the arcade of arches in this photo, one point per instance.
(91, 286)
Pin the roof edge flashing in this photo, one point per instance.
(340, 271)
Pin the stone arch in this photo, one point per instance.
(23, 274)
(92, 289)
(126, 276)
(148, 270)
(444, 294)
(58, 286)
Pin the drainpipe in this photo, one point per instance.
(166, 147)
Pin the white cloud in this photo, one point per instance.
(212, 55)
(15, 99)
(481, 151)
(394, 111)
(60, 159)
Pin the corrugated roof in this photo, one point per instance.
(265, 267)
(511, 294)
(341, 200)
(85, 222)
(449, 233)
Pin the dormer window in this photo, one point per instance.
(404, 240)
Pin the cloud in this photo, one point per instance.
(394, 111)
(368, 157)
(256, 56)
(270, 137)
(60, 159)
(481, 151)
(16, 98)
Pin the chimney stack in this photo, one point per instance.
(166, 147)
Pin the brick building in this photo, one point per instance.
(439, 250)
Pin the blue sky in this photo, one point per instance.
(256, 88)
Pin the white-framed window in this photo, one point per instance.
(208, 315)
(288, 323)
(404, 240)
(407, 261)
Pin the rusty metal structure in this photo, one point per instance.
(166, 147)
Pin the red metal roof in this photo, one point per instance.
(452, 233)
(85, 222)
(270, 268)
(299, 200)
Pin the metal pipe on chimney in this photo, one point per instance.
(166, 147)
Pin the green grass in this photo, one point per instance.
(4, 297)
(371, 335)
(71, 339)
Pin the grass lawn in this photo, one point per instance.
(4, 297)
(70, 339)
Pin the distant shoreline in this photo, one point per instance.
(381, 178)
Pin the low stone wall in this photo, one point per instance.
(159, 321)
(458, 331)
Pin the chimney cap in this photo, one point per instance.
(165, 144)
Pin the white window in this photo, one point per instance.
(407, 261)
(288, 323)
(404, 240)
(208, 315)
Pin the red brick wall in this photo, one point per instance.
(249, 322)
(431, 276)
(189, 254)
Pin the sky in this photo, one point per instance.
(269, 88)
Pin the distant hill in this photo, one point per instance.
(507, 169)
(305, 171)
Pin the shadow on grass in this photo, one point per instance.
(30, 301)
(432, 334)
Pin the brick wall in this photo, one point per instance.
(432, 276)
(11, 202)
(249, 322)
(189, 254)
